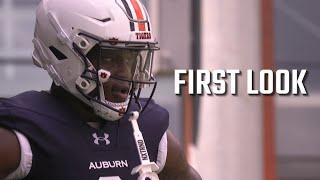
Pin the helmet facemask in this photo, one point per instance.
(115, 74)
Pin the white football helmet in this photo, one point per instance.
(74, 38)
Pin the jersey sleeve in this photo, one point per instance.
(25, 158)
(162, 153)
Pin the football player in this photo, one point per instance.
(93, 123)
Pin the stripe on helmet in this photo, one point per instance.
(126, 6)
(145, 14)
(139, 14)
(133, 14)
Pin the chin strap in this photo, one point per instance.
(146, 169)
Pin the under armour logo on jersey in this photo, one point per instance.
(98, 139)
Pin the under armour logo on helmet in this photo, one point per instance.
(97, 139)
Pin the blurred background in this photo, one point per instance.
(225, 137)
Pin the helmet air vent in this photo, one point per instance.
(103, 20)
(59, 55)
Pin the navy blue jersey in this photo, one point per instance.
(64, 146)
